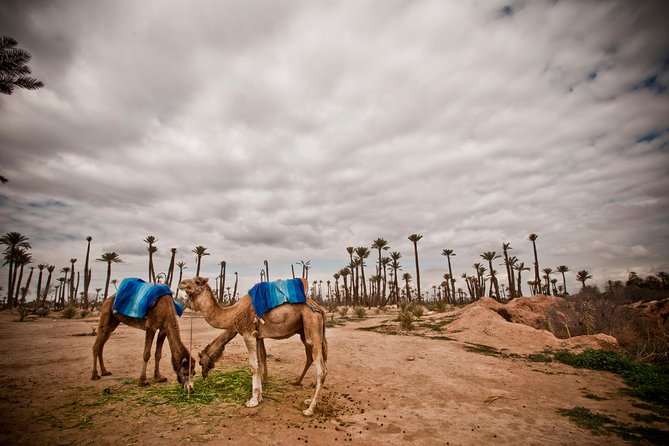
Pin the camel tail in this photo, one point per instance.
(325, 342)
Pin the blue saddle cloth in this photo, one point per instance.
(135, 297)
(267, 295)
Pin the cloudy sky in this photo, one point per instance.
(289, 130)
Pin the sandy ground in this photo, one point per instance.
(381, 389)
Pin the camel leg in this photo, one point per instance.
(262, 360)
(157, 377)
(256, 392)
(105, 328)
(310, 359)
(148, 340)
(316, 341)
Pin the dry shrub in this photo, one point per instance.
(640, 331)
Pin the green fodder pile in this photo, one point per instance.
(220, 386)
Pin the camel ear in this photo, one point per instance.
(199, 281)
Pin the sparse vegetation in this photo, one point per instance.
(600, 424)
(69, 312)
(359, 312)
(647, 382)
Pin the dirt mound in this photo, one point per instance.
(482, 323)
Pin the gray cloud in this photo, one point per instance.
(291, 130)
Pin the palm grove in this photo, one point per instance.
(354, 284)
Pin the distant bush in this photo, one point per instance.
(69, 312)
(438, 306)
(417, 311)
(359, 312)
(84, 313)
(343, 311)
(42, 311)
(406, 320)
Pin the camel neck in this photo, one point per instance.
(177, 347)
(214, 314)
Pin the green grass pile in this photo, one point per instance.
(220, 386)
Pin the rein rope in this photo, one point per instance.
(190, 348)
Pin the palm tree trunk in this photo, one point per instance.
(25, 289)
(536, 264)
(39, 287)
(107, 280)
(10, 283)
(87, 275)
(564, 285)
(46, 288)
(18, 286)
(415, 251)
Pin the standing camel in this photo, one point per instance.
(162, 317)
(278, 323)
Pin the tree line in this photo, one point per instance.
(388, 283)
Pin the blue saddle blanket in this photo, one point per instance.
(135, 297)
(267, 295)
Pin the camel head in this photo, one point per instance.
(184, 373)
(207, 363)
(193, 289)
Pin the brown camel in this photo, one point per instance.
(162, 317)
(278, 323)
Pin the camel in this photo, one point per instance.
(214, 350)
(162, 317)
(278, 323)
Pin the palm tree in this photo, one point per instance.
(490, 256)
(38, 297)
(344, 273)
(221, 285)
(520, 267)
(547, 272)
(509, 269)
(50, 269)
(385, 263)
(25, 289)
(395, 266)
(87, 272)
(266, 270)
(181, 266)
(199, 252)
(414, 238)
(63, 281)
(109, 257)
(362, 252)
(97, 294)
(12, 241)
(563, 269)
(305, 268)
(407, 279)
(71, 296)
(480, 280)
(22, 258)
(170, 268)
(448, 253)
(336, 277)
(14, 68)
(150, 240)
(582, 276)
(234, 292)
(379, 244)
(533, 238)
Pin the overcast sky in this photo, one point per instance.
(287, 131)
